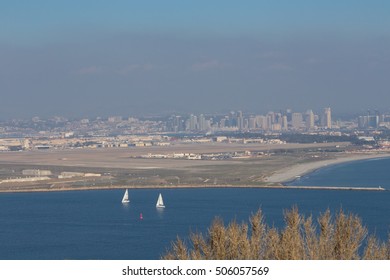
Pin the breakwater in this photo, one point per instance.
(337, 188)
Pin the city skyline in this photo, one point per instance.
(285, 121)
(90, 58)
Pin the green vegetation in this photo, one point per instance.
(342, 237)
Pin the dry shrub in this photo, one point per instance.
(349, 234)
(376, 250)
(338, 238)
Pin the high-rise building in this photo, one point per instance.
(262, 122)
(269, 121)
(232, 119)
(202, 123)
(193, 125)
(177, 123)
(222, 122)
(284, 123)
(373, 121)
(362, 121)
(296, 120)
(326, 120)
(368, 121)
(309, 120)
(240, 120)
(278, 118)
(252, 122)
(289, 115)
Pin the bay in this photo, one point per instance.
(96, 225)
(361, 173)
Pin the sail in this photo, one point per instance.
(160, 202)
(125, 198)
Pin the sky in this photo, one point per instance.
(102, 58)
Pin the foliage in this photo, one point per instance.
(342, 237)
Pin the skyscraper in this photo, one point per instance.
(193, 122)
(326, 120)
(284, 123)
(240, 120)
(296, 120)
(202, 123)
(252, 122)
(309, 120)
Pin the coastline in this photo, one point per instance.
(274, 181)
(292, 172)
(276, 186)
(87, 188)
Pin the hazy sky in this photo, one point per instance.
(89, 58)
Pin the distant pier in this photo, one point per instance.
(336, 188)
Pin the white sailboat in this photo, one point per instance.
(160, 202)
(125, 198)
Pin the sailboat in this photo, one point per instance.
(160, 202)
(125, 198)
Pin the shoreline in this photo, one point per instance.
(274, 181)
(87, 188)
(293, 172)
(279, 186)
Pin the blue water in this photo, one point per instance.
(95, 224)
(364, 173)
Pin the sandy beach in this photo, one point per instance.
(292, 172)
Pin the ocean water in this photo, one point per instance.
(363, 173)
(95, 224)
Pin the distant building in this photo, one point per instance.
(114, 119)
(203, 124)
(276, 127)
(220, 139)
(262, 122)
(296, 120)
(373, 121)
(36, 172)
(222, 123)
(240, 120)
(27, 144)
(270, 120)
(284, 123)
(289, 115)
(67, 175)
(309, 120)
(326, 120)
(177, 124)
(193, 123)
(252, 122)
(368, 121)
